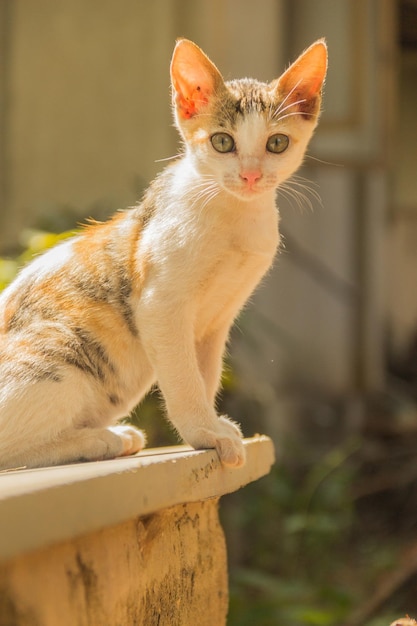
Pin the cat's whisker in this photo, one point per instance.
(280, 109)
(170, 158)
(302, 113)
(289, 94)
(201, 115)
(205, 192)
(283, 106)
(293, 196)
(201, 192)
(210, 193)
(307, 191)
(307, 184)
(300, 192)
(309, 156)
(208, 199)
(303, 179)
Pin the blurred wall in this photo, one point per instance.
(86, 99)
(323, 325)
(402, 283)
(87, 105)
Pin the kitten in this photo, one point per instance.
(150, 296)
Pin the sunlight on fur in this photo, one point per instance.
(149, 297)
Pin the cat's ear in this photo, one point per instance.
(194, 78)
(302, 82)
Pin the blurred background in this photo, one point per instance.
(324, 359)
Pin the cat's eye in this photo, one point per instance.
(277, 143)
(222, 142)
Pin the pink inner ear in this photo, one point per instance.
(306, 75)
(193, 78)
(192, 92)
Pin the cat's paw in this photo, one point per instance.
(226, 438)
(133, 440)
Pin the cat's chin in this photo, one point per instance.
(248, 194)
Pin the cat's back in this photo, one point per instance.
(32, 284)
(75, 303)
(70, 316)
(69, 279)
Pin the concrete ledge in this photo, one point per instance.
(165, 569)
(39, 508)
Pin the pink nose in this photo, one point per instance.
(251, 176)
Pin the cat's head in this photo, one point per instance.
(245, 135)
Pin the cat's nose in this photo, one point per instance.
(251, 176)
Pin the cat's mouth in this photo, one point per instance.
(248, 192)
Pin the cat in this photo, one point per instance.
(149, 297)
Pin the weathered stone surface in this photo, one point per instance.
(46, 506)
(166, 569)
(113, 544)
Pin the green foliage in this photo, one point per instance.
(8, 270)
(299, 552)
(33, 242)
(150, 417)
(293, 524)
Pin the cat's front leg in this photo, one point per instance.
(225, 437)
(190, 409)
(196, 419)
(210, 350)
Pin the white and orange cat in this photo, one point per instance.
(149, 296)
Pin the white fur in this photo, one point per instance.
(217, 255)
(209, 240)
